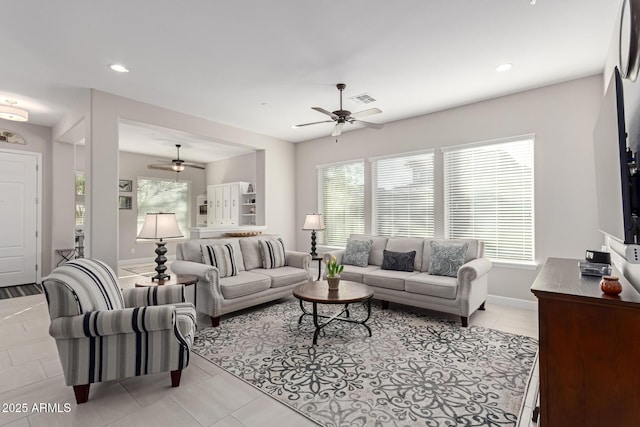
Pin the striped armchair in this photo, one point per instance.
(104, 333)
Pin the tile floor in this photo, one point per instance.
(30, 373)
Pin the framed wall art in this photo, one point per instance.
(124, 202)
(125, 185)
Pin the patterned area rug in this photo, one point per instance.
(19, 291)
(144, 270)
(414, 371)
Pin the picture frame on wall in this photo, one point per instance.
(124, 202)
(125, 185)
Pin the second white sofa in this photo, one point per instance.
(462, 294)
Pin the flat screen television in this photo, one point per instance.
(615, 167)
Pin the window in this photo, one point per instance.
(341, 201)
(80, 209)
(159, 195)
(488, 191)
(402, 190)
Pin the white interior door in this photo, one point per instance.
(18, 218)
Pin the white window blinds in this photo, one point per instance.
(402, 188)
(488, 191)
(341, 201)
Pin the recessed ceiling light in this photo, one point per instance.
(119, 68)
(503, 67)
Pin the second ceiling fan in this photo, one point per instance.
(176, 165)
(340, 117)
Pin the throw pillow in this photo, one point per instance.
(273, 254)
(222, 257)
(398, 261)
(357, 252)
(447, 258)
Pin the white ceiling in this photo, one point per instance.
(261, 65)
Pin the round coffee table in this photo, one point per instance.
(176, 279)
(319, 293)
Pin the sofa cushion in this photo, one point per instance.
(398, 261)
(357, 252)
(378, 245)
(388, 279)
(222, 257)
(447, 258)
(272, 253)
(354, 273)
(407, 244)
(251, 250)
(283, 276)
(474, 251)
(436, 286)
(244, 283)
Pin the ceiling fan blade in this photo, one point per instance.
(192, 165)
(365, 113)
(323, 111)
(312, 123)
(338, 129)
(370, 125)
(161, 167)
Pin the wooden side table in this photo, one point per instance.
(176, 279)
(319, 259)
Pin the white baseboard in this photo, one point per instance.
(512, 302)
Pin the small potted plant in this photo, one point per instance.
(333, 272)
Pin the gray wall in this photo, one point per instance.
(131, 167)
(100, 112)
(241, 168)
(561, 116)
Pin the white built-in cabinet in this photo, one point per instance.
(230, 204)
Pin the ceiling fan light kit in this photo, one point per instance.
(176, 165)
(341, 116)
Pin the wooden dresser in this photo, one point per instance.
(589, 349)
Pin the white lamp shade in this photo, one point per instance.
(160, 226)
(8, 112)
(313, 222)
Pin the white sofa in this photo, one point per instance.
(461, 295)
(252, 285)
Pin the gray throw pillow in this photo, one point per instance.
(398, 261)
(357, 252)
(447, 258)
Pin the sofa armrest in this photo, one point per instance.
(113, 322)
(298, 259)
(473, 269)
(338, 253)
(202, 271)
(209, 293)
(152, 295)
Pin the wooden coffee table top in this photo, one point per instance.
(347, 292)
(176, 279)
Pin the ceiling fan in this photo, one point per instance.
(176, 165)
(344, 116)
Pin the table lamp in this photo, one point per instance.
(313, 222)
(160, 226)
